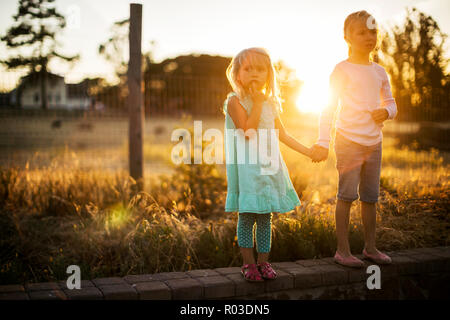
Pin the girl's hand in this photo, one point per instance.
(309, 152)
(318, 153)
(380, 115)
(257, 96)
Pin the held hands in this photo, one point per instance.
(380, 115)
(318, 153)
(257, 96)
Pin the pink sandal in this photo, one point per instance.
(379, 257)
(251, 273)
(350, 261)
(267, 271)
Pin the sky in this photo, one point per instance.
(307, 35)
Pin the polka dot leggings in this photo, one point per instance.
(246, 222)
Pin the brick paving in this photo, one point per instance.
(228, 283)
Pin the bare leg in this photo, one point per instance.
(247, 255)
(263, 257)
(342, 220)
(368, 214)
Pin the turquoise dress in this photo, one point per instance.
(259, 187)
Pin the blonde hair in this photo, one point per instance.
(256, 55)
(364, 17)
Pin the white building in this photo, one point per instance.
(60, 95)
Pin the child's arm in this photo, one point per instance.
(239, 114)
(388, 109)
(288, 140)
(319, 151)
(327, 116)
(387, 100)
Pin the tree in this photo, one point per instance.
(194, 84)
(197, 84)
(413, 55)
(115, 49)
(36, 24)
(289, 85)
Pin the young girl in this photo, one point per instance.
(363, 90)
(254, 190)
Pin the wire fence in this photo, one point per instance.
(87, 122)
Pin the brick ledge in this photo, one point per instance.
(228, 283)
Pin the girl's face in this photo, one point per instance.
(253, 71)
(361, 38)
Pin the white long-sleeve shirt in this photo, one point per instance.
(358, 89)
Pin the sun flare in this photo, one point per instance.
(313, 96)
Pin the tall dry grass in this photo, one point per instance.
(52, 217)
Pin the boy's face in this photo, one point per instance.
(362, 38)
(253, 71)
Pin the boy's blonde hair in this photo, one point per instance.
(256, 55)
(364, 17)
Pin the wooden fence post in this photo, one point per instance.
(135, 99)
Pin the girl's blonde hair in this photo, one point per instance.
(256, 55)
(364, 17)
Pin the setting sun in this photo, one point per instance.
(313, 96)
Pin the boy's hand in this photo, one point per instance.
(319, 153)
(380, 115)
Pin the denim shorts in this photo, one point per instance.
(359, 169)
